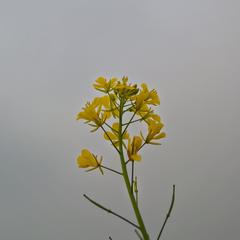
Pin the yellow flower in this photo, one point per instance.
(103, 85)
(145, 97)
(109, 103)
(113, 135)
(151, 97)
(153, 117)
(102, 101)
(139, 101)
(89, 113)
(94, 112)
(154, 132)
(133, 148)
(86, 159)
(147, 114)
(105, 102)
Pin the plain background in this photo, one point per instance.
(50, 54)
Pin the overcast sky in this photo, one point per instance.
(51, 51)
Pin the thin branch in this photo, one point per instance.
(127, 105)
(127, 161)
(114, 130)
(168, 214)
(138, 234)
(112, 170)
(110, 211)
(136, 197)
(110, 139)
(137, 120)
(136, 189)
(125, 129)
(124, 145)
(132, 177)
(126, 110)
(142, 146)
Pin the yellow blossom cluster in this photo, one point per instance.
(107, 113)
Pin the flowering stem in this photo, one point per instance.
(109, 211)
(168, 214)
(126, 177)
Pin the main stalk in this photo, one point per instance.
(142, 227)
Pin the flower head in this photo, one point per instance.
(94, 112)
(87, 159)
(154, 132)
(151, 97)
(145, 97)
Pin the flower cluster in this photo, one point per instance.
(108, 112)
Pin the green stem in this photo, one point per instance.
(142, 227)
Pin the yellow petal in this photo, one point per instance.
(126, 135)
(89, 158)
(82, 162)
(144, 87)
(110, 135)
(115, 126)
(161, 135)
(137, 142)
(101, 81)
(106, 115)
(136, 157)
(105, 101)
(86, 153)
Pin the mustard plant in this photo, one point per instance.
(121, 99)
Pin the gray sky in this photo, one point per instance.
(51, 52)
